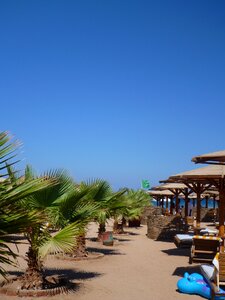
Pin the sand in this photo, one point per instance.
(135, 268)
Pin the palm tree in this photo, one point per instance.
(13, 218)
(41, 242)
(77, 206)
(107, 200)
(119, 213)
(136, 201)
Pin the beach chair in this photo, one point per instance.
(204, 248)
(183, 240)
(215, 275)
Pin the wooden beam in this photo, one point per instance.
(222, 208)
(198, 217)
(186, 193)
(167, 204)
(206, 201)
(214, 201)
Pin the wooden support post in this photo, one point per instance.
(167, 204)
(193, 201)
(171, 205)
(206, 201)
(214, 201)
(177, 201)
(222, 209)
(186, 199)
(198, 218)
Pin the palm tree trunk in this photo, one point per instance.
(118, 227)
(101, 230)
(80, 250)
(124, 222)
(33, 279)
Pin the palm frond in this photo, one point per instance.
(63, 241)
(26, 189)
(44, 198)
(5, 257)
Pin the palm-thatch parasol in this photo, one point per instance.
(160, 194)
(200, 180)
(211, 158)
(177, 188)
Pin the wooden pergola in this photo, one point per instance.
(177, 189)
(201, 180)
(160, 194)
(211, 194)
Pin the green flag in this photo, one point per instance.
(145, 184)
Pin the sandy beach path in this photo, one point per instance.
(134, 268)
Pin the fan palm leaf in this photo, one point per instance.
(63, 241)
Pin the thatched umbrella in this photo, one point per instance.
(206, 195)
(211, 158)
(200, 180)
(159, 195)
(177, 188)
(215, 158)
(192, 196)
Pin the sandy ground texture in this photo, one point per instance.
(136, 267)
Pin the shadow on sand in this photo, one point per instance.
(177, 252)
(179, 271)
(104, 251)
(121, 239)
(116, 235)
(72, 274)
(130, 232)
(161, 240)
(15, 273)
(64, 273)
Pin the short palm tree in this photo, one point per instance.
(41, 242)
(108, 201)
(77, 206)
(136, 201)
(119, 213)
(14, 218)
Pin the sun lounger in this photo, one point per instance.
(215, 275)
(209, 231)
(204, 248)
(183, 240)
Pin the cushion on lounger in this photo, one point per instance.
(184, 237)
(208, 271)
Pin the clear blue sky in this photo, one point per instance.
(119, 90)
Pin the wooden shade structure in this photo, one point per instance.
(212, 194)
(177, 189)
(211, 158)
(200, 180)
(160, 194)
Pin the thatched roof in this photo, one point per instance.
(211, 192)
(172, 186)
(194, 196)
(209, 172)
(160, 193)
(214, 157)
